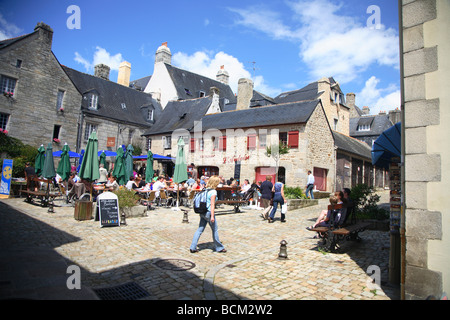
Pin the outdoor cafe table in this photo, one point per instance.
(144, 194)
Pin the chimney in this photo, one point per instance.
(382, 113)
(102, 71)
(163, 54)
(350, 99)
(124, 73)
(45, 34)
(245, 93)
(395, 116)
(214, 91)
(365, 110)
(222, 75)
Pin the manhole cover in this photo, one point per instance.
(175, 264)
(127, 291)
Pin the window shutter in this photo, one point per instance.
(192, 145)
(251, 142)
(293, 139)
(223, 143)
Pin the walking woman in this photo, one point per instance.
(209, 217)
(278, 198)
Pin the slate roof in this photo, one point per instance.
(259, 99)
(309, 92)
(298, 112)
(352, 145)
(180, 114)
(379, 123)
(189, 84)
(140, 84)
(111, 96)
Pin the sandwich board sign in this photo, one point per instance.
(108, 209)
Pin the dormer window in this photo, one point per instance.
(187, 92)
(150, 115)
(364, 127)
(364, 124)
(93, 101)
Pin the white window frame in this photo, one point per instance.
(93, 101)
(88, 130)
(60, 99)
(8, 84)
(167, 142)
(150, 114)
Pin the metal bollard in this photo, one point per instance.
(123, 219)
(283, 250)
(185, 217)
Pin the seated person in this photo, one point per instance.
(131, 184)
(112, 183)
(159, 185)
(324, 216)
(75, 187)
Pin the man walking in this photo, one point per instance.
(310, 185)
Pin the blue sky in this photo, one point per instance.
(292, 42)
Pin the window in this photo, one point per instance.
(201, 94)
(192, 145)
(149, 143)
(150, 114)
(130, 136)
(335, 124)
(262, 141)
(3, 120)
(251, 142)
(18, 63)
(220, 143)
(88, 130)
(123, 105)
(187, 92)
(201, 144)
(56, 130)
(59, 100)
(8, 84)
(293, 139)
(283, 137)
(364, 127)
(93, 102)
(167, 142)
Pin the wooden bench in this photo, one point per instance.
(46, 197)
(348, 228)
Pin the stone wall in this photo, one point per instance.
(32, 111)
(426, 25)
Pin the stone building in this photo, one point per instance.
(44, 104)
(43, 101)
(425, 69)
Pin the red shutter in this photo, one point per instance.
(293, 139)
(251, 142)
(192, 145)
(223, 143)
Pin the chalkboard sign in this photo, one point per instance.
(108, 205)
(237, 170)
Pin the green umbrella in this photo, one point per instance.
(48, 170)
(39, 160)
(64, 167)
(149, 170)
(119, 168)
(103, 160)
(129, 161)
(89, 167)
(180, 172)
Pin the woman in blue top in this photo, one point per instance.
(209, 217)
(278, 197)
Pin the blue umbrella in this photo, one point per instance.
(387, 145)
(71, 154)
(108, 153)
(81, 160)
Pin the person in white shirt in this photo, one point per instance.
(159, 185)
(310, 185)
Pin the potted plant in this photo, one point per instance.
(127, 200)
(56, 140)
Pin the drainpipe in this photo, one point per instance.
(402, 168)
(79, 133)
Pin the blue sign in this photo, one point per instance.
(6, 176)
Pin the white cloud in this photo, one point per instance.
(330, 44)
(8, 30)
(378, 99)
(100, 56)
(207, 64)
